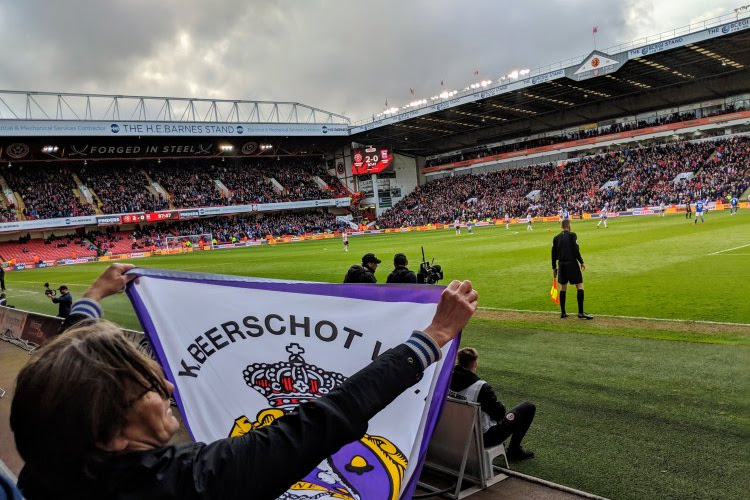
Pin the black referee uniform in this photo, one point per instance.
(566, 262)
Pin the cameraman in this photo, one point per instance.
(65, 300)
(401, 274)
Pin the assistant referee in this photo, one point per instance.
(565, 251)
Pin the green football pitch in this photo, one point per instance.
(650, 400)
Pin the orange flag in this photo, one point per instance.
(554, 295)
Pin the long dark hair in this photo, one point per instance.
(73, 397)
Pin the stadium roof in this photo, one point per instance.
(710, 64)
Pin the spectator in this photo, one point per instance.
(113, 403)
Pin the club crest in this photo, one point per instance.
(371, 468)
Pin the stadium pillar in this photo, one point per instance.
(375, 194)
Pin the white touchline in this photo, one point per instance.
(670, 320)
(729, 249)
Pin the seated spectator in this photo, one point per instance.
(497, 425)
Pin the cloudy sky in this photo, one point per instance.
(344, 56)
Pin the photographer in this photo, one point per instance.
(364, 273)
(401, 274)
(65, 301)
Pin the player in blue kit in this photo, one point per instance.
(699, 206)
(734, 204)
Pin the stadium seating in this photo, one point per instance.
(563, 137)
(256, 227)
(641, 177)
(120, 189)
(47, 191)
(55, 249)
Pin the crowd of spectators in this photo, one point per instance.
(256, 227)
(633, 178)
(8, 213)
(239, 228)
(189, 183)
(582, 134)
(121, 189)
(297, 178)
(47, 192)
(193, 184)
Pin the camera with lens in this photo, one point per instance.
(49, 292)
(429, 272)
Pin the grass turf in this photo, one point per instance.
(627, 408)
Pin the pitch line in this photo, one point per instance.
(729, 249)
(668, 320)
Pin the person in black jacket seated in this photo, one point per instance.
(400, 273)
(364, 273)
(109, 408)
(496, 424)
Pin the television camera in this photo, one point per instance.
(429, 272)
(49, 292)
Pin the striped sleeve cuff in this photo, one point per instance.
(88, 308)
(424, 347)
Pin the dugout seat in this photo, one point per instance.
(456, 451)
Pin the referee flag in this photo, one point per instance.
(554, 295)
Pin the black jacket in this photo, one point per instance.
(260, 465)
(66, 303)
(401, 275)
(565, 249)
(463, 378)
(360, 274)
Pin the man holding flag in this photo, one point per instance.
(565, 251)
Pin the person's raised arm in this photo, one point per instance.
(457, 304)
(110, 282)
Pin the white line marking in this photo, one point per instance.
(625, 317)
(40, 284)
(729, 249)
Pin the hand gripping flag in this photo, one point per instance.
(242, 352)
(554, 295)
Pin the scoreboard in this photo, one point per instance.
(370, 160)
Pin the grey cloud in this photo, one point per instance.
(338, 55)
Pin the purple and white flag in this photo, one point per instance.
(241, 352)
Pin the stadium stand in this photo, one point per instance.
(50, 248)
(120, 190)
(47, 192)
(640, 177)
(256, 227)
(190, 184)
(561, 137)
